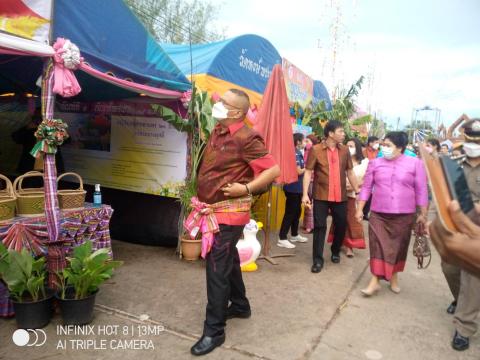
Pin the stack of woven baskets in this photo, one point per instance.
(71, 198)
(8, 200)
(30, 201)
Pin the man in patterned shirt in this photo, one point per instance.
(235, 165)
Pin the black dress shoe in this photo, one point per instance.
(453, 306)
(207, 344)
(460, 342)
(241, 314)
(335, 258)
(317, 267)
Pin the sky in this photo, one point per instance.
(413, 53)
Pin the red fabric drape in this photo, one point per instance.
(273, 123)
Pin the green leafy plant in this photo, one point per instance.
(24, 275)
(86, 270)
(198, 124)
(343, 109)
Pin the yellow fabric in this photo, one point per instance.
(212, 84)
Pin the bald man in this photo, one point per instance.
(235, 164)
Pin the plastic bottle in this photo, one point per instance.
(97, 196)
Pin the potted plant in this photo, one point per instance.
(25, 277)
(80, 280)
(199, 124)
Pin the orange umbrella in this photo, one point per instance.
(274, 124)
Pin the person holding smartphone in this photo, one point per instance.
(464, 247)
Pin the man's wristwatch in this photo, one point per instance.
(248, 189)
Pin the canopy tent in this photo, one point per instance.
(244, 62)
(121, 58)
(320, 93)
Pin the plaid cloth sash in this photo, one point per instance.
(202, 218)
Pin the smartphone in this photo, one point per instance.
(457, 183)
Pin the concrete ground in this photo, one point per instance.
(296, 314)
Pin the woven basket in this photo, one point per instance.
(30, 201)
(71, 199)
(8, 200)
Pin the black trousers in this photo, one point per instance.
(320, 213)
(224, 280)
(293, 210)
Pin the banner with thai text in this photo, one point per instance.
(124, 145)
(298, 84)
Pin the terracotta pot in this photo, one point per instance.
(191, 249)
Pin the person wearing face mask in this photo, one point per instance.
(463, 284)
(372, 149)
(332, 164)
(354, 236)
(370, 152)
(293, 203)
(234, 165)
(433, 146)
(399, 185)
(308, 211)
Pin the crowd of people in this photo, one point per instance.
(383, 182)
(390, 190)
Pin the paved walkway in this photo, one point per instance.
(296, 314)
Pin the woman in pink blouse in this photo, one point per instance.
(398, 184)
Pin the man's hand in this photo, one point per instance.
(234, 190)
(460, 248)
(306, 201)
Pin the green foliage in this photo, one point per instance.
(87, 270)
(23, 274)
(178, 21)
(343, 108)
(199, 124)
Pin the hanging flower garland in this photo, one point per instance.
(50, 134)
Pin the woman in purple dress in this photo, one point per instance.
(398, 184)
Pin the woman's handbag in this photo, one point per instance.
(421, 248)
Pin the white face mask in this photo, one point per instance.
(353, 151)
(219, 111)
(375, 146)
(387, 153)
(472, 150)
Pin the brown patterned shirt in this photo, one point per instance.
(325, 181)
(233, 154)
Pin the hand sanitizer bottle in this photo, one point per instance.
(97, 196)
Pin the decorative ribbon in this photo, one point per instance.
(66, 59)
(50, 134)
(202, 219)
(186, 98)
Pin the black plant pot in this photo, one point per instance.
(34, 314)
(76, 312)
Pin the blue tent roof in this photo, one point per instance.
(320, 93)
(111, 38)
(245, 60)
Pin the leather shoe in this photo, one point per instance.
(460, 342)
(241, 314)
(452, 307)
(335, 258)
(317, 267)
(207, 344)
